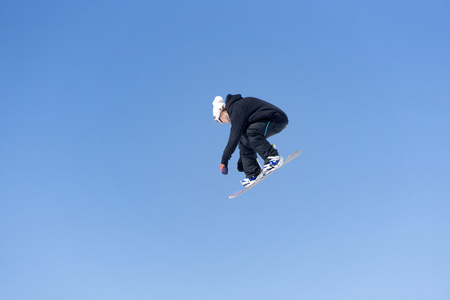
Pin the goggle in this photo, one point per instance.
(217, 118)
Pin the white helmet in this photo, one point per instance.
(218, 107)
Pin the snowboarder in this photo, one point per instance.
(252, 121)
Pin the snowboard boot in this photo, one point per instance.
(251, 180)
(248, 181)
(272, 163)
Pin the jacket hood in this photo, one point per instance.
(231, 99)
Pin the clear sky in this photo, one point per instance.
(109, 162)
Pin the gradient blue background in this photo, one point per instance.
(109, 161)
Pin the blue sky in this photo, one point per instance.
(109, 167)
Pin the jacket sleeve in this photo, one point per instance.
(238, 124)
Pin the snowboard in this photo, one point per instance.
(287, 160)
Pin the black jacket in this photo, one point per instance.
(243, 112)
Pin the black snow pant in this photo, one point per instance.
(254, 141)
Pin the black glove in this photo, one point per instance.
(240, 166)
(223, 169)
